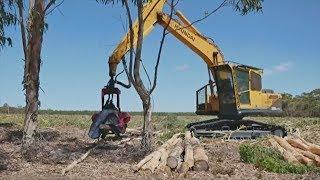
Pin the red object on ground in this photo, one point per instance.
(94, 115)
(124, 118)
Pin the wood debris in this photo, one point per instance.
(296, 150)
(180, 153)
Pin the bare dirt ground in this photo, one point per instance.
(60, 146)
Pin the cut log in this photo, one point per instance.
(184, 168)
(315, 149)
(200, 159)
(297, 143)
(174, 140)
(302, 159)
(155, 154)
(194, 141)
(163, 160)
(143, 161)
(187, 135)
(174, 160)
(165, 155)
(160, 156)
(188, 156)
(310, 155)
(286, 155)
(301, 139)
(154, 162)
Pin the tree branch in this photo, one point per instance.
(22, 28)
(51, 2)
(125, 68)
(139, 44)
(206, 16)
(53, 7)
(131, 41)
(172, 5)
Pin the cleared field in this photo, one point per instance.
(63, 138)
(171, 123)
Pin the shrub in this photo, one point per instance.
(271, 160)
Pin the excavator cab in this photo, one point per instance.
(237, 92)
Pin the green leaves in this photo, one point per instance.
(105, 2)
(7, 18)
(247, 6)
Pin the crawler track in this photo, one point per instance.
(237, 129)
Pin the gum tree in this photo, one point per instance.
(32, 28)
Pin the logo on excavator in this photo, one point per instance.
(184, 32)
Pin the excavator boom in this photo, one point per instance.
(183, 30)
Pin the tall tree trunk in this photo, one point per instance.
(32, 71)
(147, 138)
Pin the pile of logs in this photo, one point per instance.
(180, 153)
(296, 150)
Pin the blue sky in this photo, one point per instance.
(284, 40)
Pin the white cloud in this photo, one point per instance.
(182, 68)
(283, 67)
(280, 68)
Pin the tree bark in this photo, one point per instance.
(32, 71)
(147, 136)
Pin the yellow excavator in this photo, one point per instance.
(234, 90)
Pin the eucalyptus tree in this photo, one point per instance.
(32, 28)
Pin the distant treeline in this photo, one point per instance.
(6, 109)
(304, 105)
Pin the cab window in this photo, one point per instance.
(243, 86)
(255, 81)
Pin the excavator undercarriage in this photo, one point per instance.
(234, 129)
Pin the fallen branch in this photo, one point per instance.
(74, 163)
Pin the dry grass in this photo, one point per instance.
(168, 124)
(66, 138)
